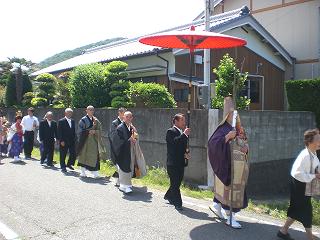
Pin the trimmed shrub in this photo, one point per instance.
(27, 97)
(304, 95)
(151, 95)
(47, 87)
(39, 102)
(119, 94)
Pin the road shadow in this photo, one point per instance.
(250, 231)
(101, 181)
(54, 168)
(71, 174)
(191, 213)
(18, 163)
(139, 194)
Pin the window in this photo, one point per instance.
(252, 90)
(181, 95)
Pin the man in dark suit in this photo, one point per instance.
(177, 140)
(67, 140)
(115, 123)
(47, 135)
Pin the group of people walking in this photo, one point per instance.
(84, 142)
(227, 150)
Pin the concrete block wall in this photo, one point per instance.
(275, 140)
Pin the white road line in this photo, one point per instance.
(8, 233)
(248, 218)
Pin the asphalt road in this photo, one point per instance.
(41, 203)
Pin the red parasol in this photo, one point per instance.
(191, 39)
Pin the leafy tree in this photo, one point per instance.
(88, 86)
(227, 72)
(11, 94)
(151, 95)
(63, 94)
(47, 87)
(91, 84)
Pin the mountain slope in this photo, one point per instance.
(60, 57)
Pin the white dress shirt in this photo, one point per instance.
(301, 166)
(178, 129)
(181, 132)
(28, 122)
(69, 122)
(49, 123)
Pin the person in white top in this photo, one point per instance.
(300, 207)
(30, 123)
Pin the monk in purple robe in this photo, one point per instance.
(219, 151)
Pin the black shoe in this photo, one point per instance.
(178, 208)
(63, 170)
(50, 165)
(70, 167)
(284, 236)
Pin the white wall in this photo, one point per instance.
(255, 44)
(295, 27)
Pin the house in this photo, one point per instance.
(264, 58)
(294, 23)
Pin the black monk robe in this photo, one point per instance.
(122, 147)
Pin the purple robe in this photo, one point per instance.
(220, 159)
(219, 153)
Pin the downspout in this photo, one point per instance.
(294, 60)
(167, 70)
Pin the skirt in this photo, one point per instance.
(300, 207)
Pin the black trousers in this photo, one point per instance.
(28, 143)
(176, 176)
(48, 150)
(63, 153)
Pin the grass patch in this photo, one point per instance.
(157, 178)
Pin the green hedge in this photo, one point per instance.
(304, 95)
(151, 95)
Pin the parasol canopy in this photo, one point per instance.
(192, 39)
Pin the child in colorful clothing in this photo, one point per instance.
(15, 137)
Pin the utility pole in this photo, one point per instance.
(206, 55)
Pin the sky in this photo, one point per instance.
(37, 29)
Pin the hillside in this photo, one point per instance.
(60, 57)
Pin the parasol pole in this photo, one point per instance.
(232, 143)
(189, 98)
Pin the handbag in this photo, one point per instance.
(313, 187)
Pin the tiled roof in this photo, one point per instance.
(132, 47)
